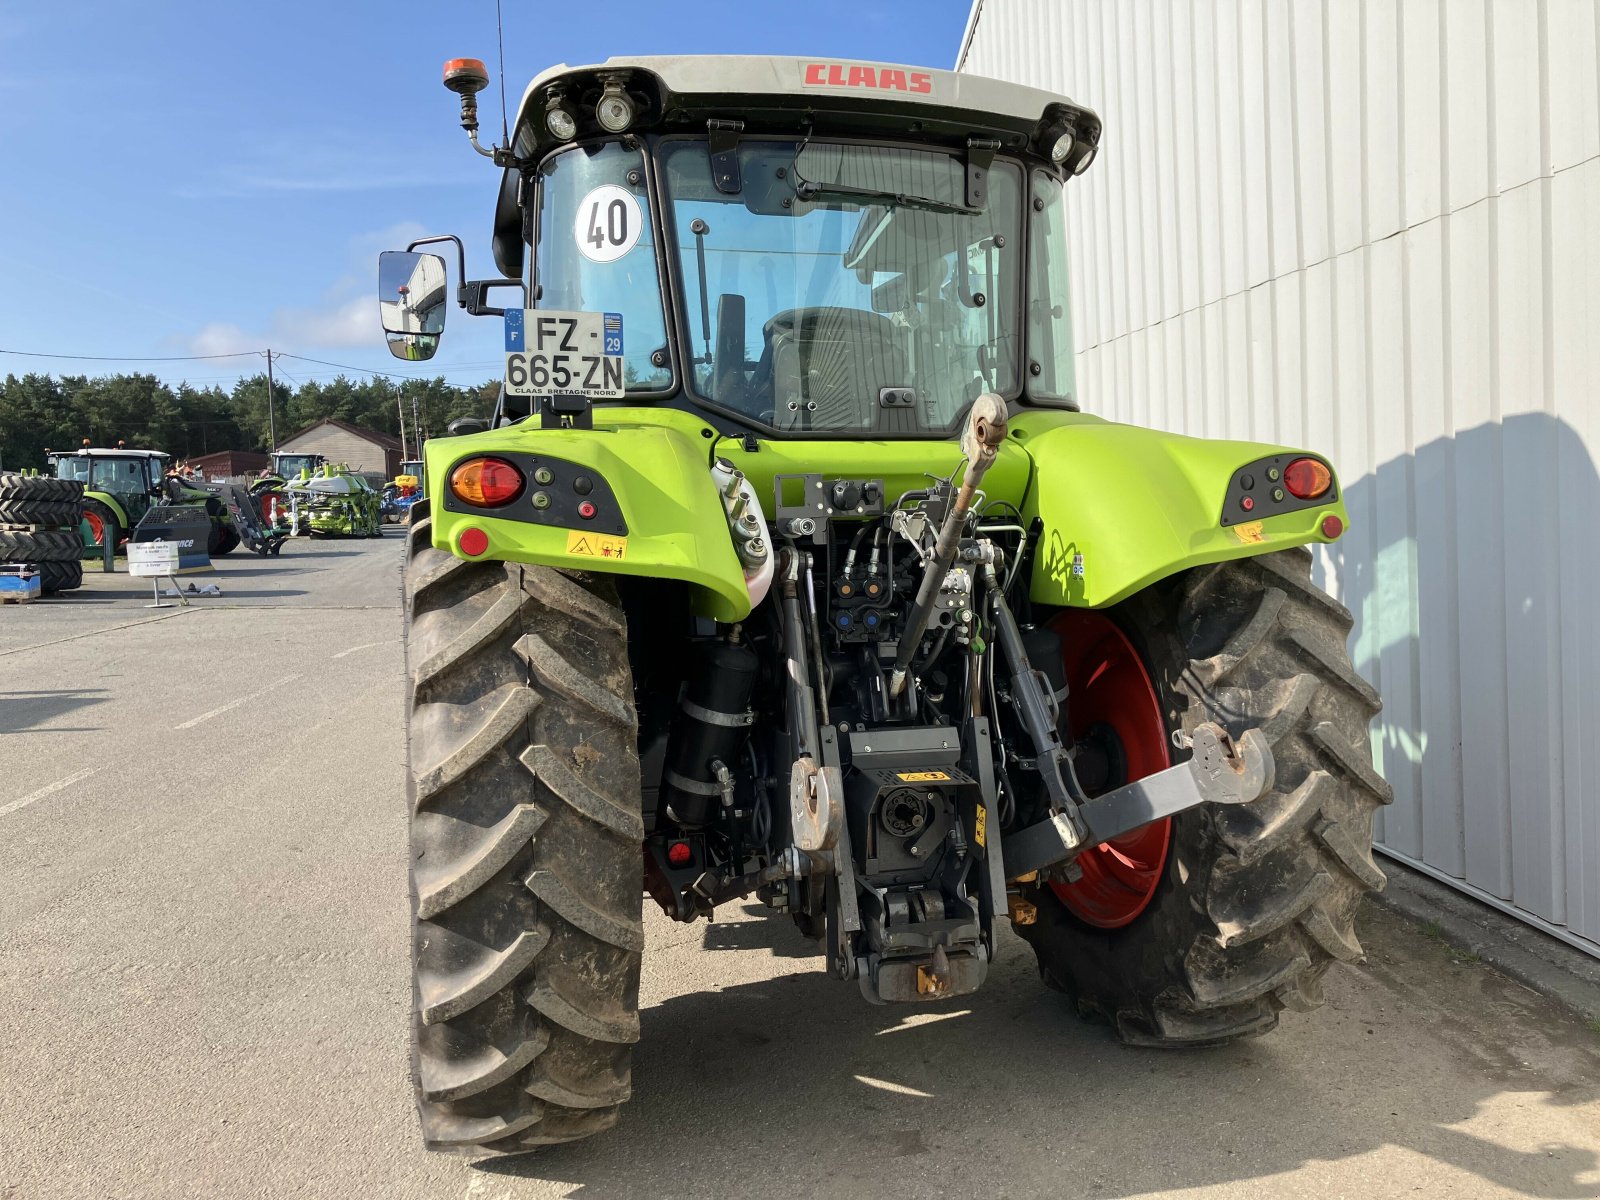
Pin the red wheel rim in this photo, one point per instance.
(97, 527)
(1110, 689)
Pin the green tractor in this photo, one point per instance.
(789, 567)
(121, 485)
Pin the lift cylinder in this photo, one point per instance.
(711, 725)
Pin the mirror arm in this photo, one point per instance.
(461, 253)
(470, 295)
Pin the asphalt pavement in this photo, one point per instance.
(203, 979)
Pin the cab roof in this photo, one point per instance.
(840, 97)
(117, 451)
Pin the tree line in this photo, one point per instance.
(50, 412)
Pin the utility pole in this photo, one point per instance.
(416, 425)
(272, 420)
(401, 413)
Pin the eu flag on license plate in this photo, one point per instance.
(612, 328)
(513, 329)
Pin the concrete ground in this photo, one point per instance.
(204, 986)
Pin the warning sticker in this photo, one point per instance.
(596, 545)
(1249, 532)
(922, 776)
(981, 833)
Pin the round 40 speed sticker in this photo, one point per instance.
(608, 223)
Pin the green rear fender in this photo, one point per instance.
(659, 469)
(113, 504)
(1140, 505)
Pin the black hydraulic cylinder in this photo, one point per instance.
(711, 724)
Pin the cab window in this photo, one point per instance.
(596, 252)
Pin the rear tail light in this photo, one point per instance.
(1307, 478)
(486, 482)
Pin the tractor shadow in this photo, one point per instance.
(774, 934)
(795, 1086)
(22, 711)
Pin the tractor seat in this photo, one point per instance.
(823, 367)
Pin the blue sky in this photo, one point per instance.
(203, 178)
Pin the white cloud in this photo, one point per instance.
(346, 319)
(221, 338)
(351, 323)
(345, 324)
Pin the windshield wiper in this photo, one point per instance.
(807, 189)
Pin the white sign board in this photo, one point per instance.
(152, 559)
(564, 353)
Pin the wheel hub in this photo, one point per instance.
(1115, 719)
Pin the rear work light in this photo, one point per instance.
(486, 482)
(1307, 478)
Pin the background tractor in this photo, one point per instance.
(789, 566)
(402, 492)
(120, 485)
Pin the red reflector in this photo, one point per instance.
(1332, 526)
(1247, 503)
(679, 854)
(486, 482)
(473, 542)
(1307, 478)
(586, 510)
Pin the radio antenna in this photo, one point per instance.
(500, 34)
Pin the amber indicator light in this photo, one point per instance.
(486, 482)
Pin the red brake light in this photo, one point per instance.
(1307, 478)
(486, 482)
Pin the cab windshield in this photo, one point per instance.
(846, 288)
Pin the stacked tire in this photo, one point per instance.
(39, 518)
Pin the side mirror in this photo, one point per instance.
(412, 290)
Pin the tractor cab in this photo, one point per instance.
(795, 248)
(119, 487)
(289, 466)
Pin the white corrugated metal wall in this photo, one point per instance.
(1373, 227)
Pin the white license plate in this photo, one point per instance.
(564, 353)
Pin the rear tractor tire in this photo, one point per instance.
(15, 487)
(526, 844)
(1246, 906)
(39, 545)
(100, 523)
(46, 514)
(60, 576)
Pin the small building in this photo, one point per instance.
(367, 451)
(230, 464)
